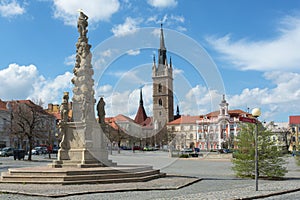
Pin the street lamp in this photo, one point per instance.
(256, 113)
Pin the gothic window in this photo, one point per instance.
(160, 102)
(159, 88)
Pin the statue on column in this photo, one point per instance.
(82, 24)
(101, 111)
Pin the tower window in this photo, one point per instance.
(159, 88)
(160, 102)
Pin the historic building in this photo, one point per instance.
(5, 119)
(149, 131)
(294, 124)
(281, 135)
(10, 135)
(162, 76)
(212, 131)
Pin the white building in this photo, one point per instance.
(212, 131)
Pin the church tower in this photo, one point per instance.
(162, 76)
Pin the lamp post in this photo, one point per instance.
(256, 113)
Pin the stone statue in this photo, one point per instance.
(64, 108)
(82, 24)
(101, 111)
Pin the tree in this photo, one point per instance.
(270, 159)
(28, 121)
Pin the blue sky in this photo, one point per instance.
(253, 45)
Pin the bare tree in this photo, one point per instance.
(29, 122)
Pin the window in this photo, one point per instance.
(191, 136)
(159, 88)
(160, 102)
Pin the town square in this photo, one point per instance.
(152, 111)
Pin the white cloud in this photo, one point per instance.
(51, 91)
(70, 60)
(103, 90)
(129, 27)
(10, 8)
(177, 71)
(126, 102)
(25, 82)
(106, 53)
(97, 10)
(265, 55)
(282, 99)
(16, 81)
(162, 3)
(177, 18)
(198, 100)
(132, 52)
(181, 29)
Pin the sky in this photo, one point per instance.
(248, 50)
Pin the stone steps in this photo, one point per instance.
(80, 176)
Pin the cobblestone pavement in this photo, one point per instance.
(218, 181)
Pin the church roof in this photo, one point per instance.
(141, 115)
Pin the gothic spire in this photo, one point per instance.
(141, 97)
(162, 51)
(162, 39)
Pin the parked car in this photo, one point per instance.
(148, 148)
(39, 150)
(189, 152)
(125, 148)
(19, 154)
(137, 148)
(7, 151)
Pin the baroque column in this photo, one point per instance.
(83, 143)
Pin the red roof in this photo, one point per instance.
(119, 118)
(232, 113)
(3, 105)
(141, 115)
(192, 119)
(294, 119)
(185, 120)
